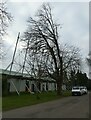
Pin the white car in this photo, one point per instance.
(77, 90)
(85, 89)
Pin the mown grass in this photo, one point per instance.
(0, 104)
(26, 99)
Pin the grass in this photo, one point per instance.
(26, 99)
(0, 104)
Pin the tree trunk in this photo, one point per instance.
(60, 81)
(59, 87)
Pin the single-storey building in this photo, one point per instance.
(16, 82)
(20, 83)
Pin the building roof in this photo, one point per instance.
(25, 76)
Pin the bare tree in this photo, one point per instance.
(5, 18)
(43, 37)
(71, 58)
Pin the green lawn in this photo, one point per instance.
(0, 104)
(25, 99)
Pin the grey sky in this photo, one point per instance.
(73, 17)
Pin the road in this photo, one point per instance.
(69, 107)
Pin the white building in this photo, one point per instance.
(18, 83)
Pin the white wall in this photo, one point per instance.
(63, 87)
(20, 85)
(14, 84)
(51, 86)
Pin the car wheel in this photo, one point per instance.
(80, 94)
(72, 94)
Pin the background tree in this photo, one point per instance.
(78, 78)
(43, 36)
(5, 18)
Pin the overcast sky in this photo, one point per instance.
(73, 17)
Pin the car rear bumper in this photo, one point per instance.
(76, 93)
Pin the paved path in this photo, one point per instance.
(69, 107)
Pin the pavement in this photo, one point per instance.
(68, 107)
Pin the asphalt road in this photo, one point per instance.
(69, 107)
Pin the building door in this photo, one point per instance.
(32, 88)
(47, 86)
(8, 87)
(27, 85)
(55, 86)
(43, 87)
(39, 86)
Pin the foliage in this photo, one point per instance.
(82, 78)
(78, 78)
(89, 84)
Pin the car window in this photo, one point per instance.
(75, 88)
(81, 88)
